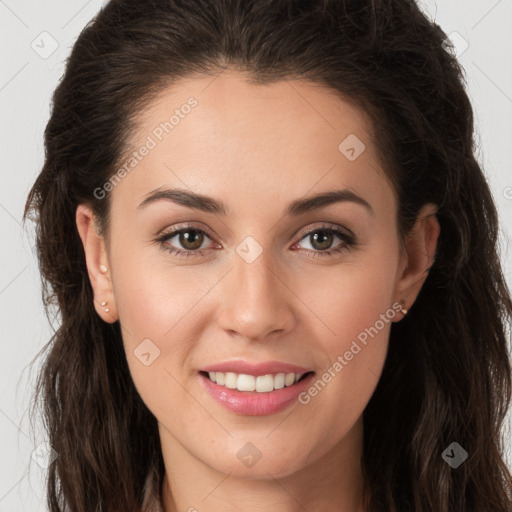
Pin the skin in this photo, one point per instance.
(256, 148)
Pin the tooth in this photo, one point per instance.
(250, 383)
(279, 381)
(230, 380)
(289, 379)
(265, 383)
(245, 382)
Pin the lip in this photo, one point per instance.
(253, 403)
(256, 369)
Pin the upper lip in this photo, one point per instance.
(256, 369)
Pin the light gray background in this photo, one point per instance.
(28, 77)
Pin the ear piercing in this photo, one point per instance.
(404, 311)
(103, 269)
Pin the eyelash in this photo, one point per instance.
(349, 241)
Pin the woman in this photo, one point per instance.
(274, 256)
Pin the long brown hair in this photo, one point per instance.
(447, 377)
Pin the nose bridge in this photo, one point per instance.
(257, 300)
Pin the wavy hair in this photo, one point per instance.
(447, 376)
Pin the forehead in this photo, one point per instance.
(228, 102)
(222, 133)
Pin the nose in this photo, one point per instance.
(257, 300)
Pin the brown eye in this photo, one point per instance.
(321, 240)
(191, 239)
(188, 241)
(184, 242)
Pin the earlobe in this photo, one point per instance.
(96, 258)
(421, 245)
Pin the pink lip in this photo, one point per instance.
(255, 369)
(254, 403)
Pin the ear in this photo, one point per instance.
(98, 266)
(420, 249)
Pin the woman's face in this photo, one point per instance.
(258, 286)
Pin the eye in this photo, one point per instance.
(321, 240)
(189, 237)
(192, 241)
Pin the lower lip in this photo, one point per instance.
(254, 403)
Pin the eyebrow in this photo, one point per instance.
(210, 205)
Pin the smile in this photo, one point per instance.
(259, 384)
(252, 395)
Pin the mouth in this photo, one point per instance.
(255, 384)
(252, 395)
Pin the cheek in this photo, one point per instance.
(353, 306)
(153, 317)
(159, 308)
(349, 299)
(153, 299)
